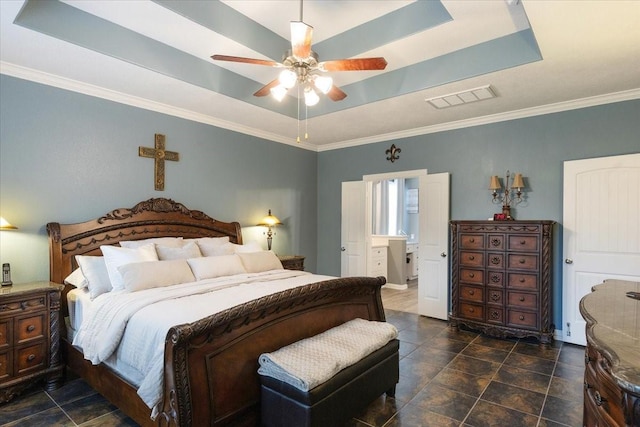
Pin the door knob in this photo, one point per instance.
(443, 255)
(568, 261)
(343, 249)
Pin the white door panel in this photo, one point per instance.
(433, 280)
(353, 259)
(601, 230)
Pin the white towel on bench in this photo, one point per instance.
(312, 361)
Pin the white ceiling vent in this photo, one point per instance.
(464, 97)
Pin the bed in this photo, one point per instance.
(209, 373)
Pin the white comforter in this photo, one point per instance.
(134, 325)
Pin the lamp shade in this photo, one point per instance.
(269, 220)
(517, 181)
(5, 225)
(495, 183)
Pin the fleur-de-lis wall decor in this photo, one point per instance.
(392, 153)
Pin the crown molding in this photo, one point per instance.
(115, 96)
(575, 104)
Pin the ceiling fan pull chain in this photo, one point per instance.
(306, 118)
(298, 100)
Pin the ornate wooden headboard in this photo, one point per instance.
(152, 218)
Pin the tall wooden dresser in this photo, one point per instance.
(501, 277)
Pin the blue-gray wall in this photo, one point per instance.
(68, 157)
(535, 147)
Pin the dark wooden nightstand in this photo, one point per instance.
(29, 337)
(292, 262)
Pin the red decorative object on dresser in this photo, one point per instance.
(501, 277)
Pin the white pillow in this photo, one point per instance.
(189, 250)
(77, 279)
(216, 266)
(248, 247)
(114, 257)
(214, 246)
(138, 276)
(95, 271)
(170, 242)
(256, 262)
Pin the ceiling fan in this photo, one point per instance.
(301, 65)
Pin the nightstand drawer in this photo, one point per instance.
(32, 357)
(30, 328)
(472, 241)
(5, 328)
(472, 311)
(522, 299)
(523, 281)
(19, 306)
(471, 293)
(472, 276)
(523, 262)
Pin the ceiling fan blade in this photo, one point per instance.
(246, 60)
(336, 94)
(356, 64)
(301, 39)
(266, 90)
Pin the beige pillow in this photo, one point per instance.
(138, 276)
(95, 271)
(216, 266)
(114, 257)
(213, 246)
(256, 262)
(190, 250)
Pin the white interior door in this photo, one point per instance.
(353, 259)
(433, 280)
(601, 230)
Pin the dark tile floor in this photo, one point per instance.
(447, 378)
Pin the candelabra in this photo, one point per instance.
(512, 194)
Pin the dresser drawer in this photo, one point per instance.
(523, 243)
(495, 315)
(523, 262)
(495, 296)
(522, 319)
(495, 278)
(495, 260)
(472, 241)
(472, 259)
(495, 241)
(471, 293)
(31, 357)
(472, 276)
(472, 311)
(522, 299)
(30, 328)
(522, 281)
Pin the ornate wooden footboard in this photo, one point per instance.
(211, 365)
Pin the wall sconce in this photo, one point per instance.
(512, 193)
(269, 221)
(6, 268)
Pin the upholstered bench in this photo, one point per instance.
(336, 400)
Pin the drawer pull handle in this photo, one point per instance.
(471, 258)
(23, 305)
(471, 292)
(471, 275)
(31, 328)
(599, 399)
(522, 280)
(31, 357)
(522, 261)
(522, 242)
(521, 299)
(521, 317)
(471, 310)
(472, 240)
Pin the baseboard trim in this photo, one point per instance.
(395, 286)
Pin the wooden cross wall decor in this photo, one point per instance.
(159, 155)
